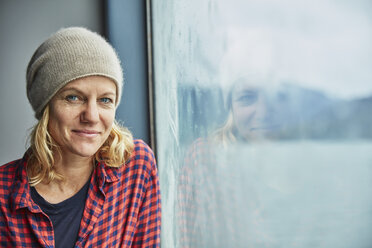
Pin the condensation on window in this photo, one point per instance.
(263, 122)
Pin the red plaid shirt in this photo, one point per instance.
(122, 208)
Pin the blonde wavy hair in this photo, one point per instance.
(225, 135)
(114, 152)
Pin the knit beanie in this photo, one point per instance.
(69, 54)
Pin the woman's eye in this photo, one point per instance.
(72, 98)
(106, 100)
(248, 99)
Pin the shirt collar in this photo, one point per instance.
(21, 196)
(107, 174)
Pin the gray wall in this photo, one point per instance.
(24, 24)
(127, 33)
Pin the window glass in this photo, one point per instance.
(263, 122)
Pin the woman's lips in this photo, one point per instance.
(86, 133)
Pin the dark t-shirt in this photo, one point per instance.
(65, 216)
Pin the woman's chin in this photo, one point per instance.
(83, 151)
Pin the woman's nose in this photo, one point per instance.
(261, 108)
(90, 112)
(269, 111)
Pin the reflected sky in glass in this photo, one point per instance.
(325, 45)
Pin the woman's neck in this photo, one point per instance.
(76, 171)
(74, 168)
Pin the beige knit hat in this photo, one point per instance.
(69, 54)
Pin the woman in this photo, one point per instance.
(218, 203)
(84, 181)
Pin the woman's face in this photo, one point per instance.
(82, 114)
(249, 111)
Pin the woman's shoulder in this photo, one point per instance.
(200, 147)
(10, 171)
(140, 145)
(142, 150)
(10, 168)
(142, 156)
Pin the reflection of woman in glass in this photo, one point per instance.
(218, 203)
(209, 204)
(213, 180)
